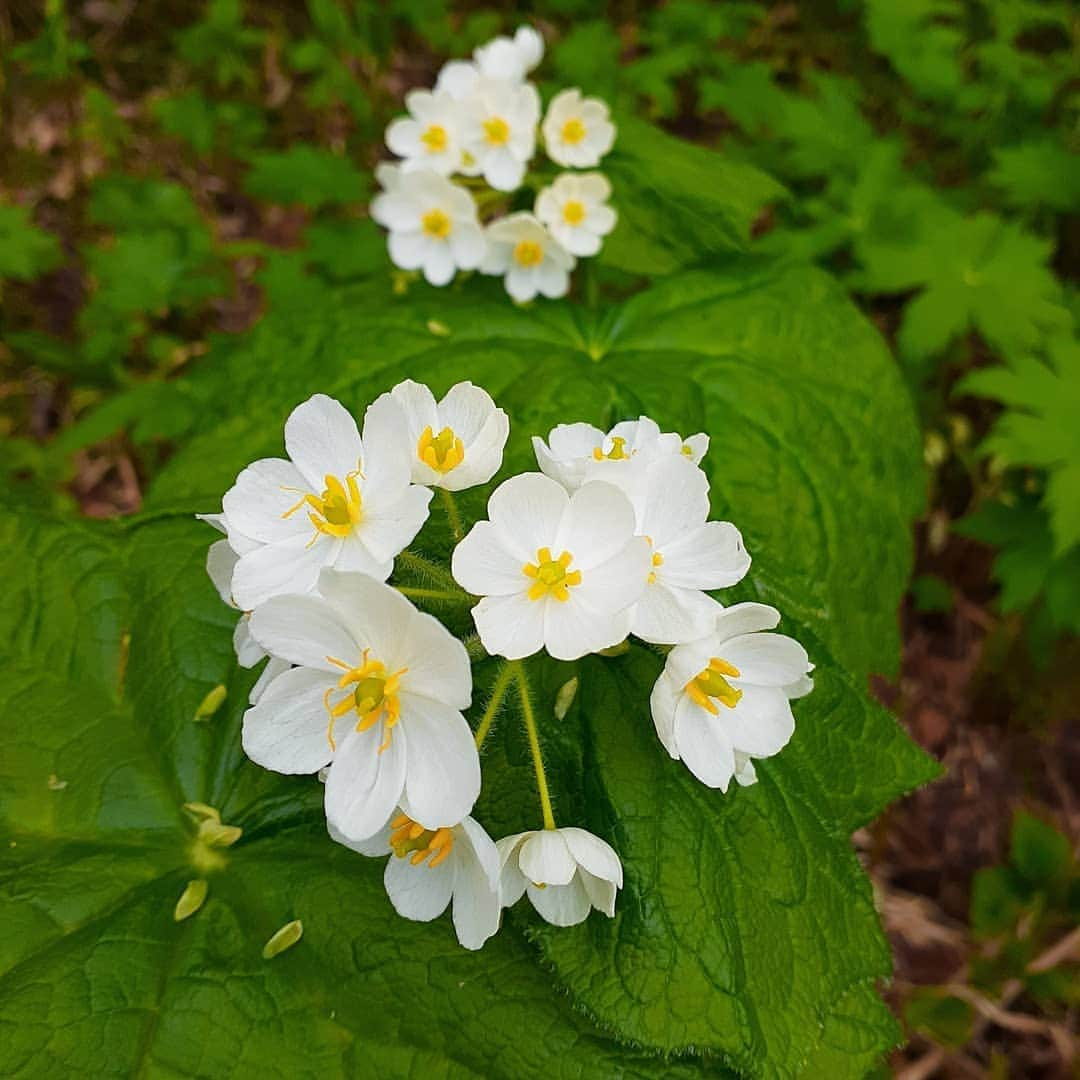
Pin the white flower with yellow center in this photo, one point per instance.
(498, 127)
(689, 554)
(429, 869)
(575, 210)
(578, 130)
(338, 500)
(555, 571)
(575, 453)
(566, 872)
(726, 699)
(433, 225)
(377, 695)
(510, 58)
(530, 258)
(429, 138)
(455, 443)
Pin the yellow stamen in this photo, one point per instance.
(573, 212)
(712, 686)
(436, 224)
(337, 510)
(528, 253)
(550, 575)
(687, 451)
(373, 696)
(411, 839)
(657, 560)
(616, 453)
(441, 452)
(496, 131)
(573, 131)
(435, 139)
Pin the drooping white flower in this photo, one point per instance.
(578, 130)
(455, 443)
(729, 695)
(575, 453)
(430, 868)
(337, 501)
(575, 210)
(566, 873)
(430, 137)
(689, 554)
(377, 695)
(510, 58)
(531, 259)
(498, 128)
(555, 571)
(433, 225)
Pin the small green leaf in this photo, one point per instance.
(1039, 852)
(306, 175)
(283, 939)
(946, 1019)
(191, 899)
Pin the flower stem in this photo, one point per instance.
(534, 744)
(452, 515)
(417, 593)
(498, 692)
(426, 569)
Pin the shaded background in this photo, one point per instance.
(168, 171)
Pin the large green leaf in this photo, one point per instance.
(745, 935)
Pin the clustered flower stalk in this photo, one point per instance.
(465, 150)
(611, 538)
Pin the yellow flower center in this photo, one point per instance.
(687, 450)
(441, 452)
(436, 223)
(550, 575)
(336, 510)
(435, 139)
(712, 686)
(528, 253)
(616, 453)
(496, 131)
(573, 131)
(573, 212)
(412, 839)
(657, 560)
(372, 695)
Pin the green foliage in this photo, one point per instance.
(306, 175)
(25, 250)
(222, 44)
(732, 904)
(208, 125)
(52, 55)
(945, 1019)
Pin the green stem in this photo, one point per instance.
(417, 593)
(534, 744)
(498, 692)
(427, 569)
(457, 529)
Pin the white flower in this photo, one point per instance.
(498, 126)
(578, 131)
(578, 452)
(554, 570)
(530, 257)
(377, 695)
(458, 78)
(429, 138)
(433, 225)
(575, 211)
(566, 872)
(689, 554)
(429, 868)
(510, 58)
(338, 501)
(728, 695)
(456, 443)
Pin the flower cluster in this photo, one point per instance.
(611, 538)
(480, 124)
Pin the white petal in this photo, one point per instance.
(377, 616)
(438, 665)
(483, 457)
(322, 439)
(545, 858)
(510, 626)
(290, 567)
(443, 775)
(374, 847)
(572, 629)
(746, 618)
(354, 556)
(248, 651)
(274, 667)
(562, 905)
(761, 723)
(364, 785)
(264, 493)
(482, 565)
(676, 499)
(662, 703)
(465, 409)
(667, 616)
(601, 893)
(418, 405)
(390, 530)
(686, 662)
(595, 855)
(286, 730)
(766, 659)
(388, 456)
(419, 892)
(711, 556)
(703, 745)
(476, 887)
(618, 582)
(597, 525)
(526, 511)
(304, 630)
(512, 881)
(220, 563)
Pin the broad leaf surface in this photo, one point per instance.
(745, 934)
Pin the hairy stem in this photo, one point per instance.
(498, 692)
(457, 529)
(534, 744)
